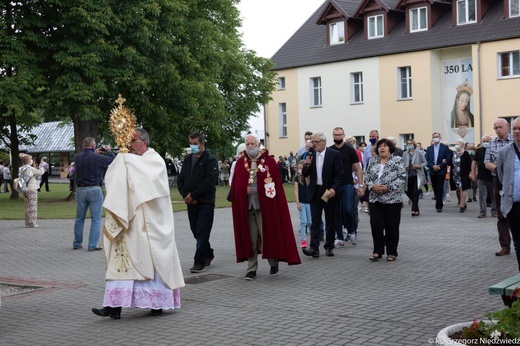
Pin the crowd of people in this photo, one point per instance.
(336, 180)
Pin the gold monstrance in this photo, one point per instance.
(122, 125)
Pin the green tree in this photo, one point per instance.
(180, 64)
(21, 81)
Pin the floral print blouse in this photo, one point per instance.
(393, 176)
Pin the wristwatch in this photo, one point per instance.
(361, 185)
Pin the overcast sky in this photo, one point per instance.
(268, 24)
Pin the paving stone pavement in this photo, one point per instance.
(446, 263)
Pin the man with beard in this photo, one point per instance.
(261, 219)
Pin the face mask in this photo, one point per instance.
(373, 141)
(436, 140)
(31, 163)
(338, 141)
(194, 148)
(410, 147)
(299, 171)
(485, 144)
(471, 152)
(457, 147)
(253, 152)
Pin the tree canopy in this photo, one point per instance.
(180, 64)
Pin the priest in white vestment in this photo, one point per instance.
(143, 267)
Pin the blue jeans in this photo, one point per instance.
(345, 210)
(201, 222)
(88, 198)
(305, 220)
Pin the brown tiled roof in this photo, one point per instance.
(308, 45)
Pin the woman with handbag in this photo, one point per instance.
(30, 173)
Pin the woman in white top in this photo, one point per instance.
(30, 173)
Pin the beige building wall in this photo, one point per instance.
(410, 116)
(277, 144)
(500, 97)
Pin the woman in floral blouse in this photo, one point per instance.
(384, 177)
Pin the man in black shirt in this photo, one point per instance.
(484, 178)
(345, 207)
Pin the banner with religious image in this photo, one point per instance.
(458, 121)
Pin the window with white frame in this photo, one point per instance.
(466, 11)
(418, 19)
(315, 88)
(375, 26)
(337, 32)
(509, 64)
(356, 87)
(405, 82)
(514, 8)
(281, 83)
(282, 116)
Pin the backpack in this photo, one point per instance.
(20, 183)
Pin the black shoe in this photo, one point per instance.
(197, 268)
(474, 199)
(470, 200)
(208, 261)
(250, 276)
(274, 270)
(462, 209)
(77, 247)
(114, 313)
(329, 252)
(439, 210)
(311, 252)
(156, 312)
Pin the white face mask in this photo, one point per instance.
(457, 147)
(436, 140)
(31, 163)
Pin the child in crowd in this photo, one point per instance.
(302, 203)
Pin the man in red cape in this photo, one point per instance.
(261, 219)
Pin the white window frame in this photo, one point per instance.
(316, 97)
(466, 7)
(415, 13)
(404, 83)
(373, 32)
(513, 58)
(337, 32)
(356, 88)
(282, 119)
(517, 3)
(281, 83)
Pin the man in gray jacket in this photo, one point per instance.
(508, 172)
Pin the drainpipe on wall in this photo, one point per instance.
(479, 91)
(266, 134)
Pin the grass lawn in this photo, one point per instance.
(52, 204)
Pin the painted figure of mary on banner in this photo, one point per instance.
(458, 120)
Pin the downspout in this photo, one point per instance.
(266, 134)
(479, 92)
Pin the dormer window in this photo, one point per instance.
(337, 32)
(375, 26)
(514, 8)
(418, 19)
(466, 11)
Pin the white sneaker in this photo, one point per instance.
(353, 238)
(339, 243)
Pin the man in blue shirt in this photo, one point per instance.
(90, 168)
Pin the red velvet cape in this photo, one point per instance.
(277, 233)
